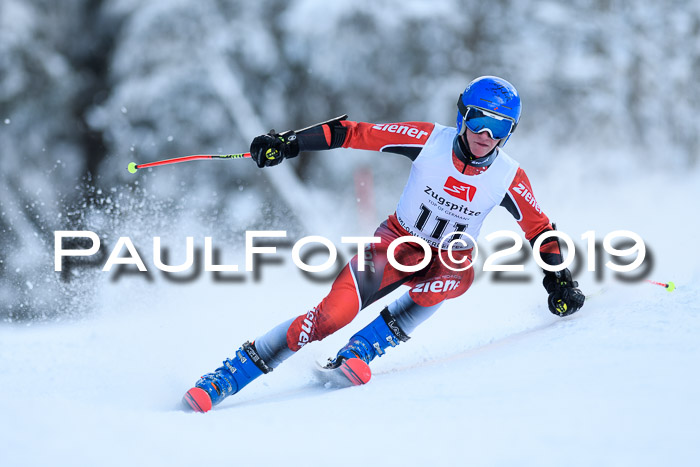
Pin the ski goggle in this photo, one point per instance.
(478, 120)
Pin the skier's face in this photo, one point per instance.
(480, 144)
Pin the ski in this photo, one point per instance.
(350, 372)
(197, 399)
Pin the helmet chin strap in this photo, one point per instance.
(463, 153)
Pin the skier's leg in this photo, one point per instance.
(336, 310)
(393, 325)
(351, 291)
(272, 346)
(389, 329)
(409, 314)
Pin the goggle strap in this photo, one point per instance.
(461, 107)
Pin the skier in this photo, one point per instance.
(457, 176)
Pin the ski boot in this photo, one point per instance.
(226, 380)
(363, 347)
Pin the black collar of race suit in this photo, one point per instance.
(463, 153)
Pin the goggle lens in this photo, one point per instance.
(478, 120)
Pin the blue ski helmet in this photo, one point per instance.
(489, 104)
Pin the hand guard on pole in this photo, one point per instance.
(564, 296)
(271, 149)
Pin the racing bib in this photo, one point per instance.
(439, 202)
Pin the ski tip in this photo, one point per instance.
(197, 399)
(356, 370)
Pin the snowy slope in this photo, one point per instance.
(492, 379)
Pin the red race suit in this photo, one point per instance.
(443, 192)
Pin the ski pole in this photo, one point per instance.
(669, 287)
(133, 166)
(597, 293)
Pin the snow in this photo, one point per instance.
(492, 379)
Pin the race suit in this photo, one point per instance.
(445, 197)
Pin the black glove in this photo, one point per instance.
(564, 296)
(270, 149)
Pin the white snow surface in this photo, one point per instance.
(492, 379)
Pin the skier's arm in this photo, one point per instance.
(406, 138)
(564, 296)
(521, 203)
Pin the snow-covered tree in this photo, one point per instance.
(88, 86)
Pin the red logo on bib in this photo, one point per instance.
(459, 189)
